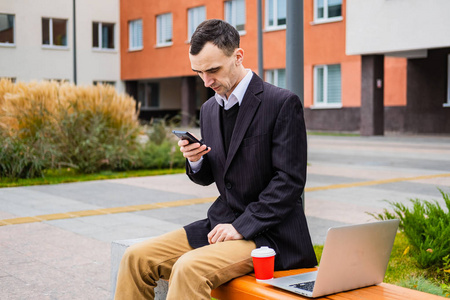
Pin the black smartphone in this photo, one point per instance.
(184, 135)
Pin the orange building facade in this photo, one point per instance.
(156, 69)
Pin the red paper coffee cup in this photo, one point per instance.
(263, 262)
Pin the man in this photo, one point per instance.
(255, 152)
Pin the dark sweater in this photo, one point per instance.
(227, 121)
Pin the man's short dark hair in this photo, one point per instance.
(219, 33)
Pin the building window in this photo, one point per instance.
(164, 30)
(104, 82)
(196, 15)
(135, 35)
(275, 14)
(327, 10)
(327, 86)
(148, 94)
(235, 14)
(60, 81)
(54, 32)
(12, 79)
(276, 77)
(103, 35)
(448, 82)
(6, 29)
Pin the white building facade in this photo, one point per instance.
(418, 31)
(37, 41)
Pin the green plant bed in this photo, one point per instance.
(425, 228)
(69, 175)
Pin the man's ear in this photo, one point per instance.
(239, 54)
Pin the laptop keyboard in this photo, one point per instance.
(308, 286)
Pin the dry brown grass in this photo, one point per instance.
(48, 124)
(31, 105)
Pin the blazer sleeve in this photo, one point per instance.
(283, 193)
(204, 176)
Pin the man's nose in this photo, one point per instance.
(208, 80)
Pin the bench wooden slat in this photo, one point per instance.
(246, 287)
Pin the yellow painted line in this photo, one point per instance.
(54, 217)
(104, 211)
(87, 213)
(21, 220)
(373, 182)
(133, 208)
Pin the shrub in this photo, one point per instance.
(87, 127)
(427, 227)
(165, 155)
(161, 149)
(25, 158)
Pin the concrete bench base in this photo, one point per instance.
(117, 250)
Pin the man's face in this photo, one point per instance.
(217, 70)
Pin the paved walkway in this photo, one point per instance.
(55, 240)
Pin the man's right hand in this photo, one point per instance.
(193, 152)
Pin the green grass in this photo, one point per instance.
(403, 271)
(70, 175)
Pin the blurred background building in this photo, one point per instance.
(370, 66)
(418, 31)
(37, 41)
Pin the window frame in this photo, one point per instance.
(12, 79)
(152, 88)
(51, 44)
(13, 44)
(100, 37)
(325, 104)
(325, 19)
(104, 82)
(233, 21)
(193, 21)
(274, 74)
(447, 104)
(131, 34)
(275, 14)
(159, 39)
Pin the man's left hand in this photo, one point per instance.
(223, 232)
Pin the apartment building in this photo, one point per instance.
(37, 41)
(156, 68)
(418, 32)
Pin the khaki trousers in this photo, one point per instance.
(192, 273)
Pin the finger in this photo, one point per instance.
(195, 148)
(183, 142)
(196, 152)
(211, 235)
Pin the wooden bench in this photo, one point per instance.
(246, 288)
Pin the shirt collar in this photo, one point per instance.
(238, 93)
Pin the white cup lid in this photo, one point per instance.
(264, 251)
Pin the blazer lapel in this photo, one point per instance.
(247, 111)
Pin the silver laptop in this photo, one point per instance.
(353, 256)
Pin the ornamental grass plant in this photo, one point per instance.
(50, 125)
(426, 225)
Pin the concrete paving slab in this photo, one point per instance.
(106, 193)
(178, 183)
(24, 201)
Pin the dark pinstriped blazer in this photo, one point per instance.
(262, 178)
